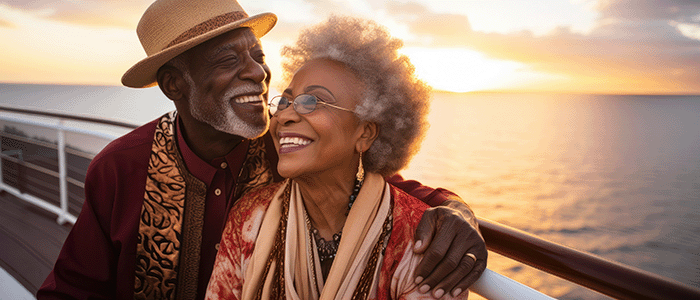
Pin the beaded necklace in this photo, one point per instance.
(328, 249)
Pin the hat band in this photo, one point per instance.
(207, 26)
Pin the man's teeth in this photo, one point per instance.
(248, 99)
(294, 141)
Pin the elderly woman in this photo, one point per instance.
(352, 114)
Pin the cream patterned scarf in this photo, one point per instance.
(359, 256)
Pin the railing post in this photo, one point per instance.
(62, 173)
(2, 183)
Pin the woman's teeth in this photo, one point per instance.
(293, 141)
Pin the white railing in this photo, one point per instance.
(59, 125)
(494, 286)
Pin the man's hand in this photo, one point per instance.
(455, 252)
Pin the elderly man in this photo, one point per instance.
(156, 199)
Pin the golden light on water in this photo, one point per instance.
(610, 175)
(487, 152)
(497, 147)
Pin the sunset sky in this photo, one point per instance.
(582, 46)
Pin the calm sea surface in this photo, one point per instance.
(617, 176)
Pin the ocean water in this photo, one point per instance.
(136, 106)
(616, 176)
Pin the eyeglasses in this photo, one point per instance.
(303, 104)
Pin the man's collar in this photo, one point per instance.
(204, 170)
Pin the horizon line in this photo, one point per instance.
(486, 91)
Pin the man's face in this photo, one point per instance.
(229, 80)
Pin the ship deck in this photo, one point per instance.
(31, 240)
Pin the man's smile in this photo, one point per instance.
(248, 99)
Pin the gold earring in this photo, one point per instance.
(360, 176)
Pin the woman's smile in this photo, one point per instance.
(290, 142)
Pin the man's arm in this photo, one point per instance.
(83, 267)
(446, 234)
(98, 258)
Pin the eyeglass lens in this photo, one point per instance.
(303, 104)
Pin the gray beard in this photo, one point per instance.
(226, 120)
(222, 117)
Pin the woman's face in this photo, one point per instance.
(322, 142)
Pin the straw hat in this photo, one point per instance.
(171, 27)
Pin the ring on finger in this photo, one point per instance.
(471, 255)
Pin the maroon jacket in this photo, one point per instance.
(98, 258)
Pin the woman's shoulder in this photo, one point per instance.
(266, 191)
(406, 214)
(408, 210)
(257, 198)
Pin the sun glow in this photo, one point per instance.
(461, 70)
(461, 47)
(63, 53)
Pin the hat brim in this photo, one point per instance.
(143, 73)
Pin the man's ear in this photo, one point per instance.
(171, 83)
(368, 133)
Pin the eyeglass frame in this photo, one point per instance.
(294, 106)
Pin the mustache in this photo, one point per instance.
(247, 88)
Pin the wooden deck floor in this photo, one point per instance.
(30, 240)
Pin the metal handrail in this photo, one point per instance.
(68, 117)
(494, 286)
(599, 274)
(31, 166)
(44, 143)
(62, 211)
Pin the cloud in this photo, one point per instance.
(285, 32)
(679, 10)
(650, 44)
(689, 30)
(635, 60)
(6, 24)
(443, 28)
(448, 25)
(296, 15)
(105, 13)
(405, 9)
(28, 5)
(324, 7)
(650, 49)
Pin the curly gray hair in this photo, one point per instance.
(394, 98)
